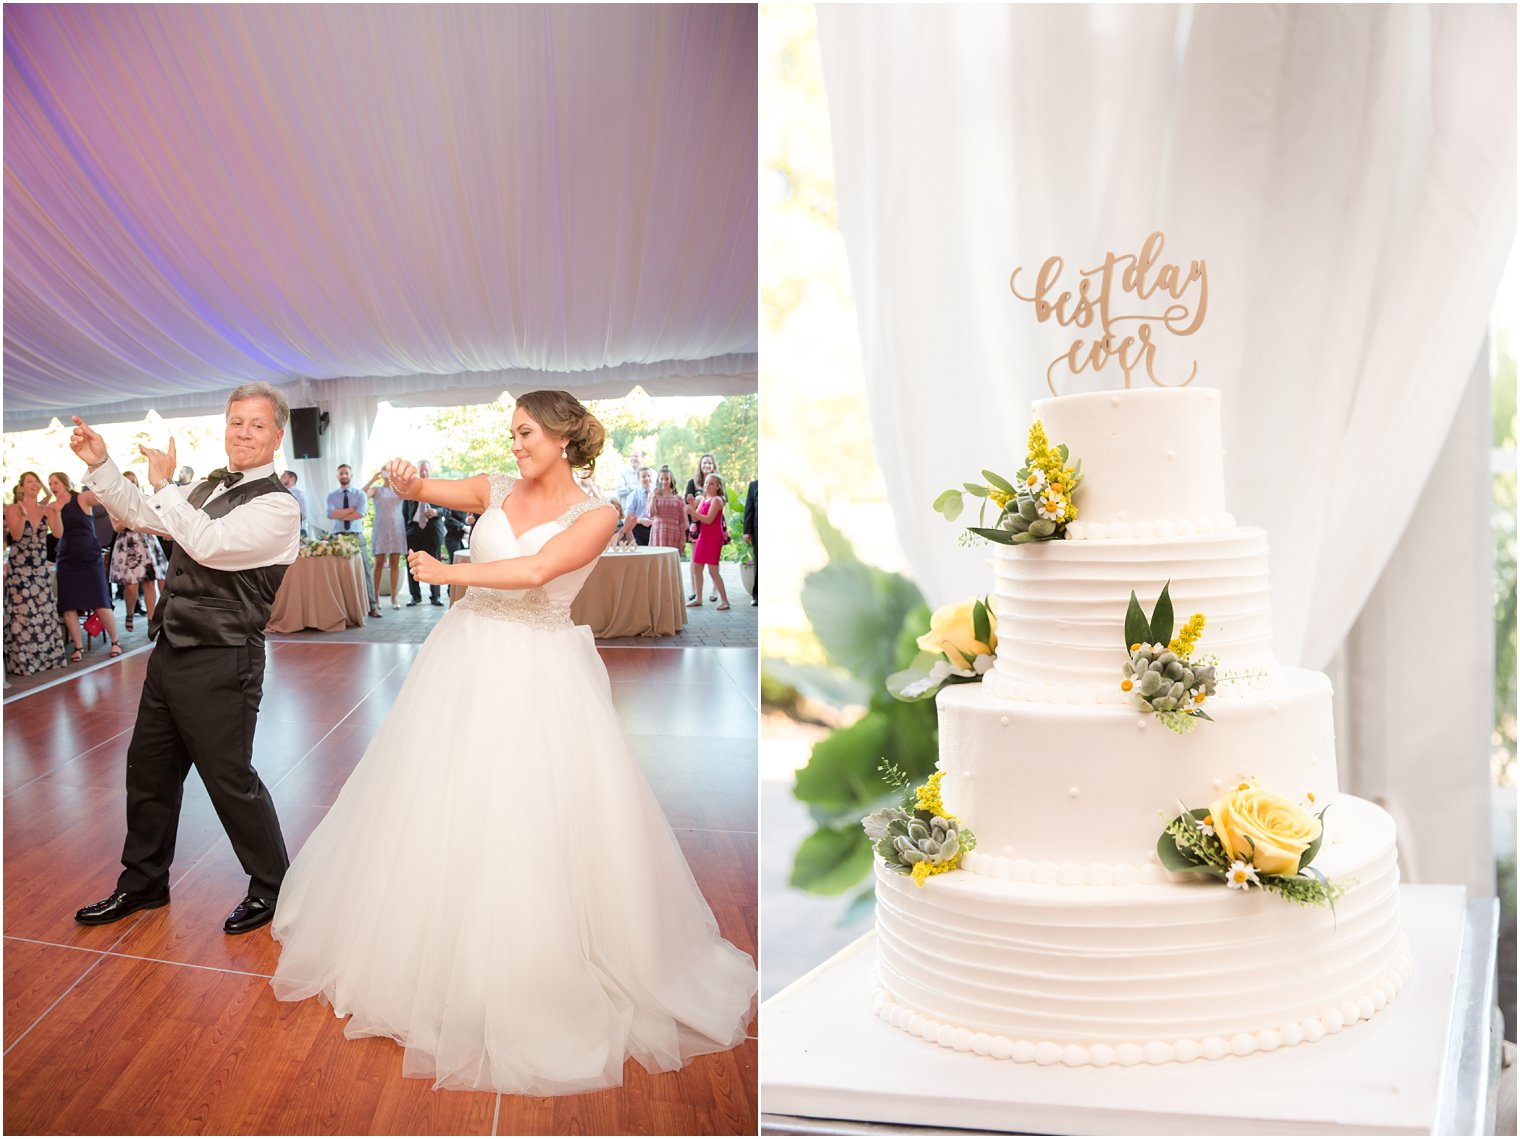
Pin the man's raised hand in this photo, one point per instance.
(85, 442)
(161, 464)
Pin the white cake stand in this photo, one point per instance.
(1424, 1065)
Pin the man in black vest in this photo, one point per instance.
(424, 532)
(234, 533)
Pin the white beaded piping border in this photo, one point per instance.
(1047, 872)
(1047, 1052)
(1151, 528)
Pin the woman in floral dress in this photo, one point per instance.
(137, 560)
(34, 637)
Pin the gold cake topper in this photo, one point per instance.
(1142, 276)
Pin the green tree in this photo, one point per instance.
(730, 434)
(479, 438)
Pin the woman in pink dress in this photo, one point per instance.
(708, 515)
(668, 514)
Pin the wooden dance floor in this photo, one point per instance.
(162, 1024)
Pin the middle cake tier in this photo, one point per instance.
(1060, 608)
(1069, 794)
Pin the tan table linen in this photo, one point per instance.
(320, 593)
(638, 593)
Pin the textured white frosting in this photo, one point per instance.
(1060, 608)
(1153, 973)
(1149, 456)
(1064, 784)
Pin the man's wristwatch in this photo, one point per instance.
(158, 486)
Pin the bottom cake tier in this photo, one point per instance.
(1150, 973)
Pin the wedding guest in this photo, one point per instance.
(707, 465)
(82, 585)
(137, 562)
(289, 479)
(712, 531)
(236, 532)
(347, 507)
(389, 533)
(636, 525)
(455, 525)
(752, 532)
(424, 533)
(186, 476)
(667, 514)
(34, 637)
(628, 477)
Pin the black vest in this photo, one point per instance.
(202, 607)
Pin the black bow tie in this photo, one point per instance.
(225, 477)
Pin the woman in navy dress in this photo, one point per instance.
(81, 569)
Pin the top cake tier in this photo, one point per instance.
(1152, 460)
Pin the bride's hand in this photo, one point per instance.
(403, 478)
(425, 568)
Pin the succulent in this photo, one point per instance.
(1162, 682)
(904, 839)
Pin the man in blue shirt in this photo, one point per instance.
(347, 507)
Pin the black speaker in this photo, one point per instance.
(306, 432)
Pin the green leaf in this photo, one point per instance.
(901, 680)
(981, 622)
(1172, 856)
(841, 772)
(835, 544)
(1000, 482)
(1065, 453)
(975, 488)
(861, 907)
(831, 860)
(1137, 630)
(950, 504)
(857, 613)
(1004, 537)
(828, 685)
(1308, 855)
(1161, 618)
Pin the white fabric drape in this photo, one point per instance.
(446, 196)
(1348, 173)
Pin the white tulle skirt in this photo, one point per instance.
(496, 887)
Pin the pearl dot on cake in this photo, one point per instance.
(1074, 792)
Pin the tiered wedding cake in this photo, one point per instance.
(1062, 938)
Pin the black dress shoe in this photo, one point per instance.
(414, 601)
(118, 906)
(437, 602)
(250, 913)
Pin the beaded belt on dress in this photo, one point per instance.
(530, 607)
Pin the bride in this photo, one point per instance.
(495, 886)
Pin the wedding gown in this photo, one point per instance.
(496, 887)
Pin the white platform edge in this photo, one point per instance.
(824, 1055)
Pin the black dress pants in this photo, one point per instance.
(427, 542)
(198, 709)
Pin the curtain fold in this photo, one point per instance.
(1347, 172)
(199, 196)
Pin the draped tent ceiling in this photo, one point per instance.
(429, 204)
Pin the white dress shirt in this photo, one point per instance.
(265, 531)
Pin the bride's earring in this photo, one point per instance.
(564, 452)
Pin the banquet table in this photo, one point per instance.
(320, 593)
(633, 593)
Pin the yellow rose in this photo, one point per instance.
(952, 631)
(1279, 831)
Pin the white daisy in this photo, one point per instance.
(1052, 507)
(1241, 876)
(1205, 828)
(1035, 481)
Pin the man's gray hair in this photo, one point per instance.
(261, 390)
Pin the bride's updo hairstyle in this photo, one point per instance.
(564, 416)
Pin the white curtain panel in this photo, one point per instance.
(439, 195)
(1347, 172)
